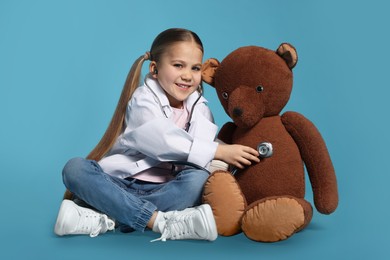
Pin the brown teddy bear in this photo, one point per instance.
(266, 200)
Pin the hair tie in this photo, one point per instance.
(147, 56)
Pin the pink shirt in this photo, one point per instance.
(162, 172)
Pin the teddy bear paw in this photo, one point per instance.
(228, 203)
(271, 220)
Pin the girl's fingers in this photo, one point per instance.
(252, 157)
(238, 165)
(244, 161)
(251, 151)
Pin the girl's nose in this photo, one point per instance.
(186, 75)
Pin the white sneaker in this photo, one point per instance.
(192, 223)
(75, 220)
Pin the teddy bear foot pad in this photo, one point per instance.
(272, 220)
(224, 195)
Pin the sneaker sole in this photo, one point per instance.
(207, 214)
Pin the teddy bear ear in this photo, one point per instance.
(288, 53)
(209, 68)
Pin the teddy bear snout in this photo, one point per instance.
(237, 112)
(245, 112)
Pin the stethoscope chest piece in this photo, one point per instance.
(265, 149)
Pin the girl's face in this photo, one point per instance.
(179, 71)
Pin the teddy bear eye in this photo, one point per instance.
(259, 88)
(225, 95)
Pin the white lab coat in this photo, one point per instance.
(151, 137)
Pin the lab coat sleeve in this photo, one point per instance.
(203, 130)
(140, 110)
(149, 132)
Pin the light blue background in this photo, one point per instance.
(62, 67)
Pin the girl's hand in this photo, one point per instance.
(237, 155)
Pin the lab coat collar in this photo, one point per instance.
(158, 90)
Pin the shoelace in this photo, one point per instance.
(94, 223)
(176, 227)
(104, 223)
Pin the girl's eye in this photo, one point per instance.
(225, 95)
(178, 65)
(196, 68)
(259, 88)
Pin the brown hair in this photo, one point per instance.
(160, 44)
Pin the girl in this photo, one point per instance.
(129, 176)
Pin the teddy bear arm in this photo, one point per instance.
(316, 158)
(226, 132)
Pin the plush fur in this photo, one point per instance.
(266, 200)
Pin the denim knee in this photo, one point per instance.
(72, 171)
(195, 179)
(200, 177)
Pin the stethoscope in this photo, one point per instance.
(265, 149)
(187, 128)
(188, 124)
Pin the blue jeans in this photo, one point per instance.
(129, 201)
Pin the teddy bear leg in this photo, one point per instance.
(276, 218)
(227, 201)
(308, 211)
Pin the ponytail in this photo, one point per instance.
(117, 123)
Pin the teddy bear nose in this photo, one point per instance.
(237, 111)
